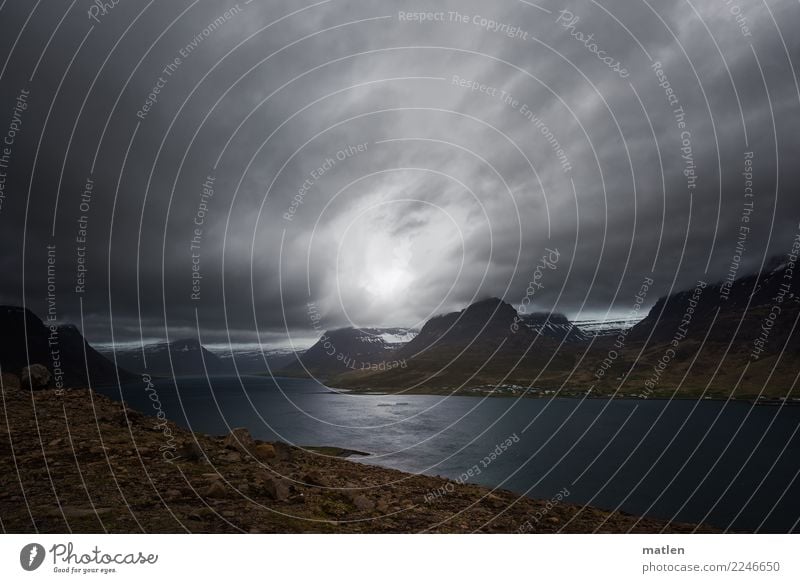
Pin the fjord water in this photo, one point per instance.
(731, 465)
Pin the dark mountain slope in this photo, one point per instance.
(64, 345)
(485, 343)
(742, 311)
(483, 325)
(338, 351)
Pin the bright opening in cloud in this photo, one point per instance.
(384, 284)
(387, 274)
(388, 263)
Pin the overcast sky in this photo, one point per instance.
(382, 169)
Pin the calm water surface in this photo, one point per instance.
(731, 465)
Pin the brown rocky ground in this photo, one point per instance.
(80, 462)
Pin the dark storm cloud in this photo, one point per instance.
(385, 169)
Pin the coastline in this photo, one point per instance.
(82, 462)
(553, 394)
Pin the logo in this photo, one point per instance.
(31, 556)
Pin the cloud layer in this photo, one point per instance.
(221, 167)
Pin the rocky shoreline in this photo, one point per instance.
(75, 461)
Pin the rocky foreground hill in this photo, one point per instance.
(75, 461)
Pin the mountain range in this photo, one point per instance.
(725, 339)
(729, 339)
(182, 357)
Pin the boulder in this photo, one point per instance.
(232, 457)
(35, 376)
(172, 495)
(201, 514)
(190, 451)
(315, 478)
(263, 452)
(361, 502)
(240, 439)
(216, 490)
(283, 451)
(276, 489)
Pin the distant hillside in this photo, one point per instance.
(713, 339)
(720, 340)
(483, 325)
(256, 360)
(484, 343)
(79, 362)
(185, 357)
(338, 351)
(736, 311)
(555, 326)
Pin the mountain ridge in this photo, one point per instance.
(62, 349)
(181, 357)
